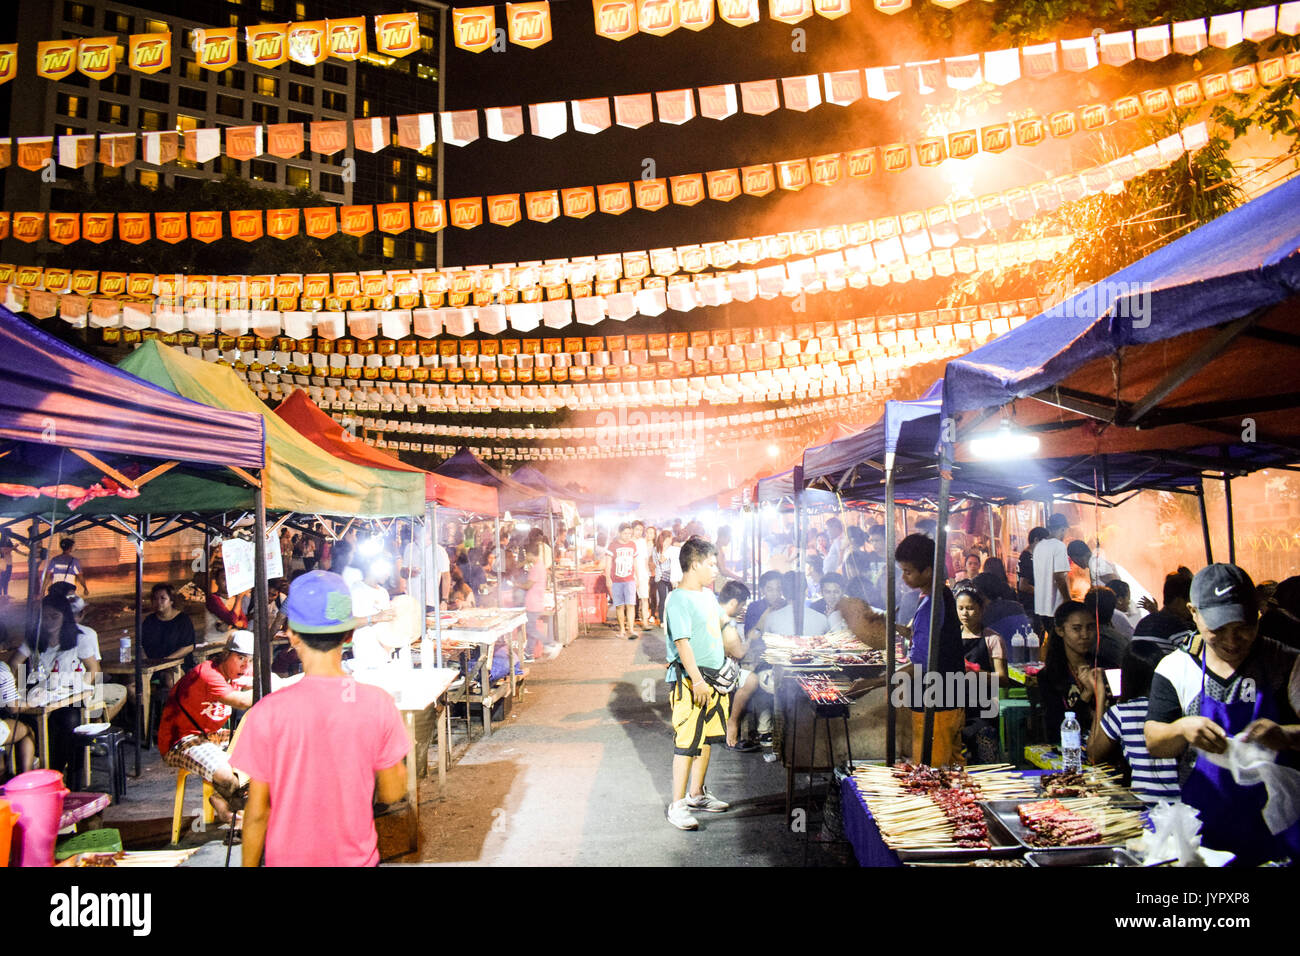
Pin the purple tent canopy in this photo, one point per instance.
(53, 394)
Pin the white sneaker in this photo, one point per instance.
(707, 802)
(552, 652)
(679, 815)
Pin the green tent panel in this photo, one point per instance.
(299, 476)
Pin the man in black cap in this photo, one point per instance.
(1239, 688)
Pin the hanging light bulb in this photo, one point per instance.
(1005, 444)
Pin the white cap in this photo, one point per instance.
(240, 642)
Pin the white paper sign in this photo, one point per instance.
(238, 556)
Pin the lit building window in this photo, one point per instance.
(149, 178)
(297, 178)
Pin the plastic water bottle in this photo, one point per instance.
(1071, 743)
(1017, 648)
(1031, 647)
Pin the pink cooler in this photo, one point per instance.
(38, 797)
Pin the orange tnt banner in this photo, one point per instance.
(29, 277)
(503, 210)
(8, 62)
(687, 190)
(267, 45)
(529, 24)
(6, 152)
(56, 59)
(34, 151)
(170, 226)
(930, 152)
(996, 138)
(112, 283)
(863, 162)
(615, 19)
(429, 216)
(826, 170)
(371, 134)
(97, 57)
(133, 227)
(897, 157)
(892, 6)
(657, 17)
(97, 226)
(329, 137)
(65, 227)
(964, 144)
(792, 174)
(346, 38)
(739, 13)
(614, 199)
(244, 142)
(117, 149)
(397, 34)
(85, 282)
(57, 280)
(695, 14)
(466, 213)
(356, 220)
(246, 224)
(307, 42)
(316, 285)
(149, 52)
(1030, 132)
(284, 140)
(757, 180)
(651, 194)
(282, 223)
(474, 28)
(1094, 117)
(724, 184)
(217, 49)
(393, 217)
(1062, 124)
(205, 226)
(543, 206)
(832, 9)
(790, 11)
(579, 202)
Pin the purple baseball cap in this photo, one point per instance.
(319, 602)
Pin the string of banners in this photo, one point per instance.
(620, 19)
(652, 194)
(418, 131)
(878, 369)
(199, 313)
(267, 45)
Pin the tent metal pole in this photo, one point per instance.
(555, 591)
(891, 615)
(1205, 522)
(1232, 530)
(422, 599)
(262, 659)
(33, 579)
(800, 533)
(937, 587)
(496, 547)
(141, 718)
(437, 583)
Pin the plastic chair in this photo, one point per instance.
(178, 804)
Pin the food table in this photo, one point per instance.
(40, 703)
(483, 627)
(416, 690)
(1116, 811)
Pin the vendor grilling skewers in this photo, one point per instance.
(1240, 687)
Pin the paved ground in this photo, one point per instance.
(578, 775)
(581, 775)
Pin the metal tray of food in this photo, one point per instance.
(1004, 844)
(1082, 856)
(1007, 815)
(1119, 797)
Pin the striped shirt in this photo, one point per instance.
(1154, 778)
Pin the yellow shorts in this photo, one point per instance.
(695, 726)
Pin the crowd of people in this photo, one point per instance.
(1161, 690)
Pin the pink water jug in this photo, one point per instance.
(38, 797)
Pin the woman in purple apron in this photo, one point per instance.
(1194, 704)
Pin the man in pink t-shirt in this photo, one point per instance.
(322, 752)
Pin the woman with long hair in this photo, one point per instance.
(664, 556)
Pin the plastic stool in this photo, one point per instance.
(106, 749)
(208, 814)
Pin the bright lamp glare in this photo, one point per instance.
(773, 451)
(371, 546)
(1004, 445)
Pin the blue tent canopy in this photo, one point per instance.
(515, 497)
(1188, 349)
